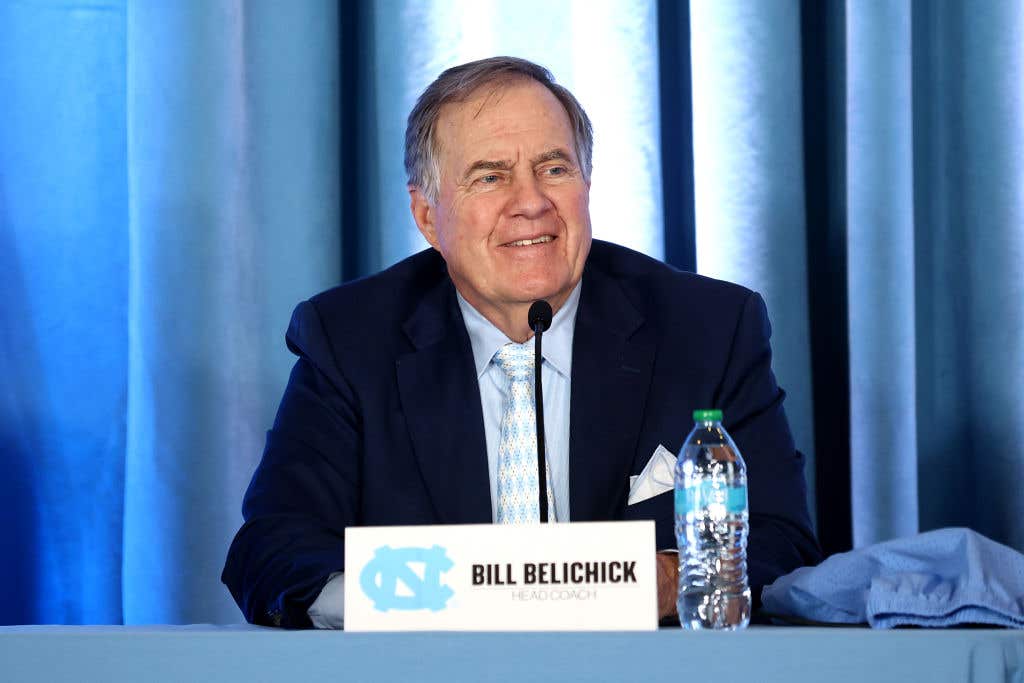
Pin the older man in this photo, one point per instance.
(394, 411)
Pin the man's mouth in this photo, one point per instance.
(536, 240)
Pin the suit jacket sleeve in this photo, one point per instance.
(781, 538)
(304, 492)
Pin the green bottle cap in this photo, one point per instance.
(707, 415)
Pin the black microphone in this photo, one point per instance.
(540, 320)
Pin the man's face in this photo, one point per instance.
(512, 218)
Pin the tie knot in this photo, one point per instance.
(516, 360)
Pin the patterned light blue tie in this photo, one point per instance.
(517, 450)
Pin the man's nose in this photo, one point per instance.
(528, 198)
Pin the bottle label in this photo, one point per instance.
(701, 494)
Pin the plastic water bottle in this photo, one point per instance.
(711, 528)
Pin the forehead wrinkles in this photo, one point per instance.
(456, 115)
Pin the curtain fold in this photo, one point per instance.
(233, 176)
(969, 216)
(749, 176)
(935, 161)
(880, 270)
(63, 310)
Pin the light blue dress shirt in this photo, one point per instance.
(328, 610)
(556, 373)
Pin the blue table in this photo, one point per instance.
(246, 653)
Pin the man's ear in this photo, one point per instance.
(424, 215)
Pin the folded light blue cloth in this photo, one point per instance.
(939, 578)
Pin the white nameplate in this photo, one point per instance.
(584, 576)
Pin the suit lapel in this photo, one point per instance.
(613, 356)
(441, 400)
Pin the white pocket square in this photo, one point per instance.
(657, 477)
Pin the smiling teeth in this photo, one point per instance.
(526, 243)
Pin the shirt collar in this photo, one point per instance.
(486, 339)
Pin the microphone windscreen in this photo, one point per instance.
(540, 312)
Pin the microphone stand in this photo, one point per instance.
(540, 320)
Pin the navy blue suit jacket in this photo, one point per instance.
(381, 422)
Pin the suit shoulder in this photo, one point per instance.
(649, 281)
(390, 295)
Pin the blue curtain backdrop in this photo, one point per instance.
(175, 176)
(233, 216)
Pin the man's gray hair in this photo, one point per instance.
(458, 84)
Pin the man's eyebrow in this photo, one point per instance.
(557, 154)
(487, 165)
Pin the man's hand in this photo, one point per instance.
(668, 583)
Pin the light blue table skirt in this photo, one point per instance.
(246, 653)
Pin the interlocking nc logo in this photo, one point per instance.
(379, 578)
